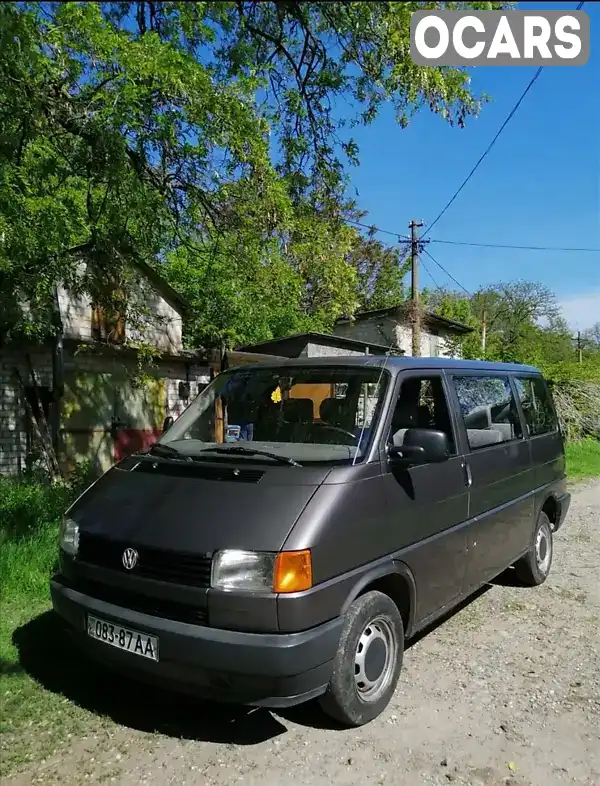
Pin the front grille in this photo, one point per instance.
(192, 570)
(155, 607)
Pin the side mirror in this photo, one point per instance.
(167, 423)
(420, 446)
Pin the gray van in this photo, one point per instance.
(300, 521)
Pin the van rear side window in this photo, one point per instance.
(489, 410)
(536, 405)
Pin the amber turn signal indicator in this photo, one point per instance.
(293, 571)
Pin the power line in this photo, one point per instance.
(505, 245)
(488, 148)
(481, 245)
(371, 228)
(430, 274)
(439, 264)
(492, 143)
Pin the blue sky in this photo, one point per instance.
(540, 184)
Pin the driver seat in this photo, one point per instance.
(405, 416)
(333, 412)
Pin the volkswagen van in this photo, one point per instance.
(301, 521)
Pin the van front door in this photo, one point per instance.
(429, 504)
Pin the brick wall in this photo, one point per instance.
(13, 437)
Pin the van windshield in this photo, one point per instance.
(304, 414)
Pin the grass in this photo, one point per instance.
(583, 459)
(34, 722)
(43, 688)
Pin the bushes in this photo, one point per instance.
(26, 506)
(578, 406)
(30, 513)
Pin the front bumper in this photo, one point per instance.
(260, 669)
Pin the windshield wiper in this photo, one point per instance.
(168, 452)
(253, 452)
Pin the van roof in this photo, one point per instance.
(397, 363)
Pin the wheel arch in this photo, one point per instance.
(395, 580)
(550, 505)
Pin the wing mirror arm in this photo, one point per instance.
(406, 455)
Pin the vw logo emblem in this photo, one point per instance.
(130, 558)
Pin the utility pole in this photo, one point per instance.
(483, 333)
(414, 289)
(580, 343)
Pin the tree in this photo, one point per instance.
(459, 307)
(380, 272)
(592, 335)
(200, 135)
(515, 313)
(523, 322)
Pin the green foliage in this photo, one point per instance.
(30, 512)
(203, 138)
(515, 333)
(380, 272)
(26, 506)
(523, 325)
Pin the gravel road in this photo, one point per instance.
(506, 691)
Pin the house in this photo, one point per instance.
(440, 337)
(86, 382)
(313, 344)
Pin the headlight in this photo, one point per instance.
(255, 571)
(251, 571)
(69, 536)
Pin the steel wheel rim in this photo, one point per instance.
(378, 634)
(543, 550)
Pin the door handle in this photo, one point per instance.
(468, 475)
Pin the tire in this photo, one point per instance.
(368, 661)
(533, 569)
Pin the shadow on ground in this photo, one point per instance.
(47, 655)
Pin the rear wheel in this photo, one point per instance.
(533, 569)
(368, 661)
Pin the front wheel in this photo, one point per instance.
(533, 569)
(368, 661)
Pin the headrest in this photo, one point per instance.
(405, 416)
(298, 410)
(330, 409)
(336, 412)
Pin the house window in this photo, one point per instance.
(106, 326)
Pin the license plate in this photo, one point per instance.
(123, 638)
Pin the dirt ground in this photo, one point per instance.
(506, 691)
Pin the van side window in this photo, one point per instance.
(421, 404)
(536, 405)
(489, 410)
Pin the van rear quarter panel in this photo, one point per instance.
(549, 467)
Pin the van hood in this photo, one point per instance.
(197, 509)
